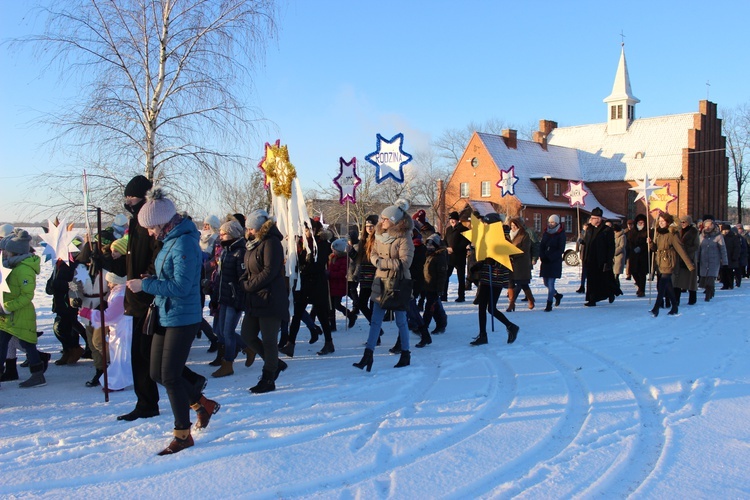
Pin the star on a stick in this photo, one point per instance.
(660, 199)
(645, 189)
(489, 241)
(59, 241)
(508, 180)
(576, 194)
(389, 158)
(347, 180)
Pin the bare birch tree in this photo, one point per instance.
(163, 84)
(735, 126)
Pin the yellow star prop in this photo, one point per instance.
(489, 241)
(661, 199)
(279, 170)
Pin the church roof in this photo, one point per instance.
(651, 146)
(531, 161)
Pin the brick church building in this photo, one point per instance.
(684, 153)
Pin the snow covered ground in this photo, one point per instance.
(589, 402)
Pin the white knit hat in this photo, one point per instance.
(157, 210)
(115, 279)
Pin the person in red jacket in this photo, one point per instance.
(338, 265)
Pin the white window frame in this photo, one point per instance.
(537, 222)
(568, 223)
(486, 189)
(557, 188)
(464, 189)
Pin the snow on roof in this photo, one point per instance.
(651, 146)
(531, 161)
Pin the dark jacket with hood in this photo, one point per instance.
(142, 251)
(231, 269)
(264, 279)
(551, 250)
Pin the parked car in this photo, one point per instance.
(571, 254)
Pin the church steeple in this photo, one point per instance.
(621, 102)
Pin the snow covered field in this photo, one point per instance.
(589, 402)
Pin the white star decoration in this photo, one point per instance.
(347, 181)
(645, 189)
(508, 180)
(59, 241)
(389, 158)
(4, 273)
(576, 194)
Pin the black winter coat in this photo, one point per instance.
(436, 270)
(417, 269)
(231, 269)
(732, 243)
(551, 250)
(142, 250)
(264, 279)
(457, 242)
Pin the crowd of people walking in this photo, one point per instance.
(160, 269)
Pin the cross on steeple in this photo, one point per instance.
(622, 38)
(708, 87)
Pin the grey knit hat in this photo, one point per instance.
(396, 212)
(157, 211)
(212, 221)
(256, 219)
(19, 242)
(6, 230)
(233, 229)
(339, 245)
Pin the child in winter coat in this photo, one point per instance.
(17, 312)
(435, 274)
(120, 337)
(338, 266)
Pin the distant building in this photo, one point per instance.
(684, 152)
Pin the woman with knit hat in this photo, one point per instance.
(17, 313)
(266, 295)
(666, 247)
(176, 291)
(392, 254)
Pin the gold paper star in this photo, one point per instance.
(660, 199)
(489, 241)
(279, 171)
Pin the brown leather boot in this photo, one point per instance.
(224, 370)
(205, 408)
(74, 354)
(512, 300)
(182, 439)
(63, 358)
(529, 296)
(250, 356)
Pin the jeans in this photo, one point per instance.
(377, 321)
(228, 319)
(551, 291)
(169, 353)
(412, 315)
(31, 353)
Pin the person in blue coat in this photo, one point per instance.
(551, 252)
(176, 291)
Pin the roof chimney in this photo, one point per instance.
(509, 136)
(547, 126)
(540, 138)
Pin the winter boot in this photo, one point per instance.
(45, 356)
(692, 297)
(288, 349)
(182, 439)
(213, 346)
(315, 333)
(512, 332)
(655, 310)
(94, 382)
(511, 300)
(404, 360)
(674, 311)
(558, 298)
(74, 354)
(204, 408)
(250, 356)
(266, 384)
(11, 371)
(37, 376)
(530, 296)
(224, 370)
(63, 359)
(366, 361)
(327, 349)
(439, 328)
(219, 356)
(352, 317)
(480, 339)
(581, 289)
(426, 339)
(280, 367)
(396, 349)
(549, 306)
(677, 296)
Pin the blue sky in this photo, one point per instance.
(341, 71)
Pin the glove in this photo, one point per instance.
(637, 250)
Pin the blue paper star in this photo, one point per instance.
(389, 158)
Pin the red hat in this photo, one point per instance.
(420, 215)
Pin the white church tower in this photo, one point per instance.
(621, 102)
